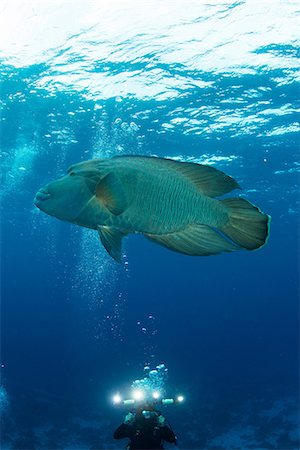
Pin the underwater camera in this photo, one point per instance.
(148, 392)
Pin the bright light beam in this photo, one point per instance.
(117, 399)
(138, 395)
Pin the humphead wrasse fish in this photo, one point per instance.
(172, 203)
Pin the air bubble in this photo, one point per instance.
(134, 126)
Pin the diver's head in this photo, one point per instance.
(147, 414)
(146, 417)
(145, 406)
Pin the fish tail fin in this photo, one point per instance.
(247, 226)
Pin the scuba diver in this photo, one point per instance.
(144, 425)
(146, 428)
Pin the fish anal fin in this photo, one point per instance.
(110, 192)
(195, 240)
(111, 239)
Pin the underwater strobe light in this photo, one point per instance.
(139, 399)
(149, 391)
(156, 395)
(138, 395)
(117, 399)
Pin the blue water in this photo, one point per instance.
(215, 83)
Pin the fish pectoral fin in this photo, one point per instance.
(111, 239)
(195, 240)
(110, 192)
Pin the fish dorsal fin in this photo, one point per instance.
(210, 181)
(111, 239)
(110, 192)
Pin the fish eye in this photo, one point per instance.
(72, 173)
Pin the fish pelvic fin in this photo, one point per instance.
(111, 239)
(195, 240)
(247, 226)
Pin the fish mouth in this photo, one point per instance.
(42, 195)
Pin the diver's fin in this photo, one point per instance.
(194, 240)
(111, 238)
(210, 181)
(111, 193)
(247, 225)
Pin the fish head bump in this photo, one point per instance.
(66, 197)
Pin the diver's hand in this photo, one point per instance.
(129, 419)
(161, 421)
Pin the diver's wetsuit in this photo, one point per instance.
(145, 434)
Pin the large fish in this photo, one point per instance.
(172, 203)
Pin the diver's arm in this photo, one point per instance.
(123, 431)
(168, 435)
(165, 431)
